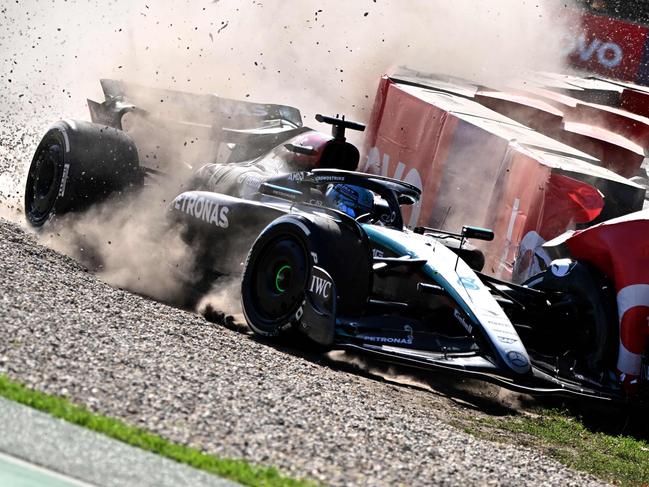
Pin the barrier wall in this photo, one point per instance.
(477, 167)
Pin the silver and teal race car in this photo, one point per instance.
(323, 253)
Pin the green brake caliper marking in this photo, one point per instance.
(279, 276)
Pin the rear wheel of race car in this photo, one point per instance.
(77, 164)
(274, 282)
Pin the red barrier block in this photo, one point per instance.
(478, 167)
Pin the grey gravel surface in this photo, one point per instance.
(65, 332)
(88, 456)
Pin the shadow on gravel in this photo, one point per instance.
(601, 417)
(469, 395)
(492, 400)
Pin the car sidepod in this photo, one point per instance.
(478, 312)
(221, 228)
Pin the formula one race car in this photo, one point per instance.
(327, 255)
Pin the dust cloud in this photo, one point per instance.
(223, 296)
(320, 56)
(129, 244)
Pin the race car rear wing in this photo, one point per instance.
(207, 113)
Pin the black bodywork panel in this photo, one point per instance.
(182, 107)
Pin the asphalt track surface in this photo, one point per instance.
(65, 332)
(39, 450)
(19, 473)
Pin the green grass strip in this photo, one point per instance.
(237, 470)
(619, 459)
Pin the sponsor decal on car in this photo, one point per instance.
(253, 181)
(517, 358)
(296, 176)
(284, 193)
(391, 340)
(399, 340)
(503, 327)
(203, 209)
(458, 316)
(402, 341)
(300, 312)
(320, 286)
(506, 340)
(468, 283)
(388, 218)
(329, 179)
(64, 179)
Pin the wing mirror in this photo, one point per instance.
(477, 233)
(404, 199)
(301, 149)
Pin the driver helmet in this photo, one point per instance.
(351, 200)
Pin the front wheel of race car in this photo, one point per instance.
(274, 280)
(588, 303)
(288, 257)
(77, 164)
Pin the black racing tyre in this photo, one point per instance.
(77, 164)
(278, 266)
(275, 279)
(595, 325)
